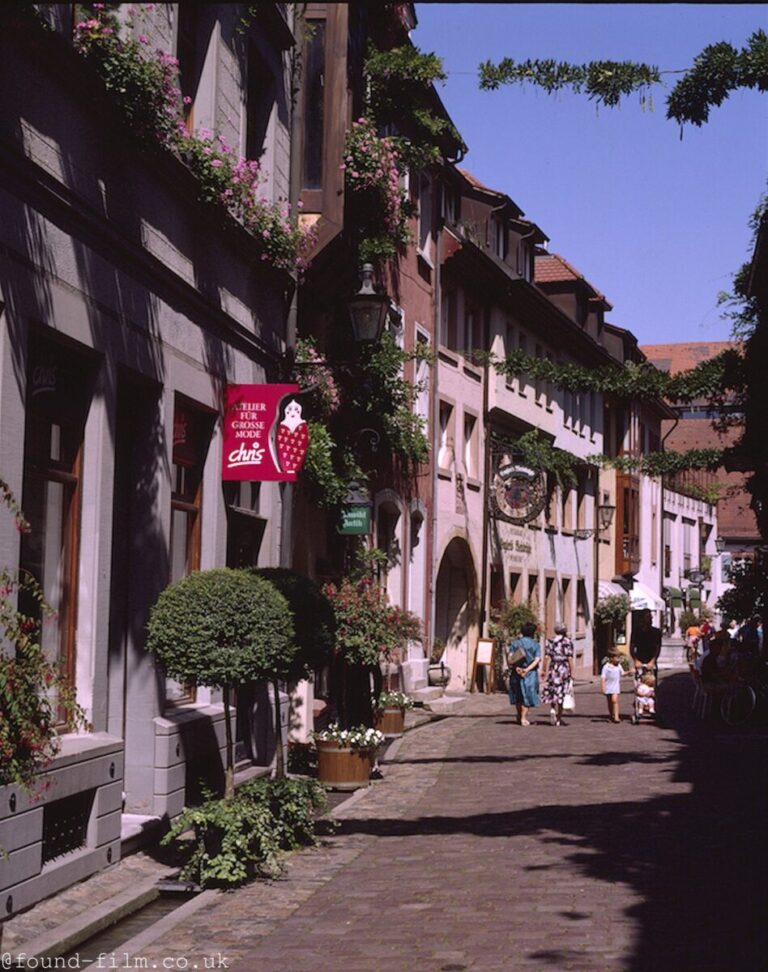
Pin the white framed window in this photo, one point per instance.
(445, 452)
(522, 346)
(425, 216)
(471, 450)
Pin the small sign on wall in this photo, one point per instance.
(265, 434)
(355, 521)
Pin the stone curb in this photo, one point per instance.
(69, 935)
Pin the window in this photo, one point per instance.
(548, 387)
(569, 503)
(533, 592)
(445, 453)
(470, 446)
(582, 607)
(58, 398)
(314, 115)
(522, 346)
(260, 102)
(500, 237)
(538, 383)
(509, 347)
(515, 586)
(566, 608)
(471, 340)
(450, 201)
(188, 55)
(421, 390)
(448, 329)
(191, 435)
(425, 216)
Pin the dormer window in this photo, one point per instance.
(500, 237)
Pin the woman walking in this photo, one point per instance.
(557, 672)
(524, 655)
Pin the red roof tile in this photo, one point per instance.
(553, 268)
(683, 355)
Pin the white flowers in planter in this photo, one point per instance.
(359, 737)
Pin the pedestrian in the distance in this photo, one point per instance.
(524, 672)
(610, 679)
(557, 672)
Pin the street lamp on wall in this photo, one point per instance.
(604, 520)
(368, 309)
(719, 544)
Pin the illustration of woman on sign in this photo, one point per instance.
(292, 439)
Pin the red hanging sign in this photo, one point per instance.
(265, 434)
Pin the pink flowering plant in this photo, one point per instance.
(372, 166)
(313, 374)
(145, 84)
(33, 693)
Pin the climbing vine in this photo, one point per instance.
(716, 72)
(711, 379)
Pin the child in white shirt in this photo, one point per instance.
(610, 678)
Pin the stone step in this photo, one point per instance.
(426, 695)
(445, 703)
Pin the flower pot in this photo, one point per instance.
(438, 675)
(342, 767)
(391, 720)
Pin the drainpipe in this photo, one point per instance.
(661, 503)
(484, 566)
(291, 323)
(435, 417)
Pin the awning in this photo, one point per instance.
(674, 596)
(642, 598)
(609, 589)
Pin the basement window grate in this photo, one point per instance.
(65, 824)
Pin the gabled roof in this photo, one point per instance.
(501, 198)
(553, 268)
(683, 355)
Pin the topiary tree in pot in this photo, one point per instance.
(223, 628)
(314, 627)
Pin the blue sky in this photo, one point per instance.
(658, 224)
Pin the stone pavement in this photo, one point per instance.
(490, 847)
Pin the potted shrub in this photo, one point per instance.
(389, 713)
(345, 756)
(222, 628)
(438, 673)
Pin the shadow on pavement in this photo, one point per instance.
(697, 859)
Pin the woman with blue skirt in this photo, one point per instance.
(524, 672)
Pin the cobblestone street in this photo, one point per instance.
(489, 847)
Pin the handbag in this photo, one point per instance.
(569, 700)
(515, 657)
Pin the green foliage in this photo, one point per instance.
(507, 622)
(393, 699)
(749, 594)
(613, 609)
(656, 464)
(386, 395)
(538, 452)
(641, 382)
(603, 81)
(313, 619)
(222, 627)
(715, 73)
(327, 484)
(237, 839)
(34, 694)
(398, 82)
(368, 629)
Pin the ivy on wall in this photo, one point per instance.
(712, 379)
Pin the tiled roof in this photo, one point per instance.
(553, 268)
(685, 355)
(476, 183)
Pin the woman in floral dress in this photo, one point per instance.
(557, 672)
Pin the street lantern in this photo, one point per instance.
(368, 309)
(605, 516)
(719, 544)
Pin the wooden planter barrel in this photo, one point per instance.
(391, 721)
(342, 767)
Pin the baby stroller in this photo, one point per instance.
(645, 695)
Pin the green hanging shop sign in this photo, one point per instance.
(355, 521)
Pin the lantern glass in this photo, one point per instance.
(605, 515)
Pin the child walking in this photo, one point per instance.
(610, 678)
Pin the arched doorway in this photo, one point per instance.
(456, 616)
